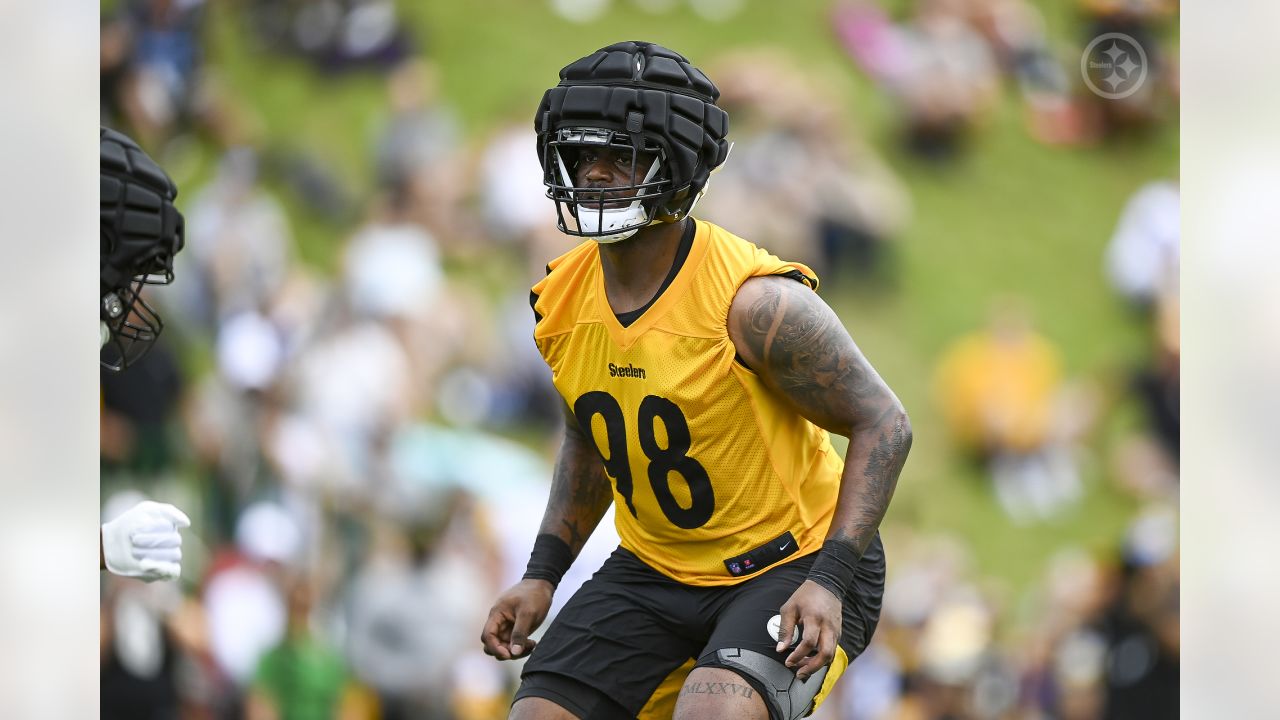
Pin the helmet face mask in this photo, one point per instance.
(132, 325)
(612, 213)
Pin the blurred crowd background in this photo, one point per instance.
(348, 403)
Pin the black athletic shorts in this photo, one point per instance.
(630, 626)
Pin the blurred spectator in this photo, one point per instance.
(940, 71)
(310, 177)
(798, 182)
(336, 35)
(150, 54)
(1144, 468)
(580, 11)
(392, 270)
(249, 351)
(512, 200)
(999, 390)
(392, 275)
(302, 678)
(421, 132)
(1142, 261)
(140, 659)
(353, 417)
(246, 608)
(1158, 388)
(941, 65)
(949, 80)
(1143, 256)
(1016, 32)
(239, 240)
(136, 409)
(414, 606)
(227, 118)
(869, 36)
(997, 385)
(1139, 625)
(114, 47)
(222, 423)
(417, 156)
(520, 388)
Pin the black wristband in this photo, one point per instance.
(835, 566)
(550, 559)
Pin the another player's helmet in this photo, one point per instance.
(640, 97)
(141, 232)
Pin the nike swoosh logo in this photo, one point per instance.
(784, 545)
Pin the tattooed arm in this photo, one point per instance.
(796, 344)
(580, 490)
(580, 496)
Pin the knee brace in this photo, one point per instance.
(786, 696)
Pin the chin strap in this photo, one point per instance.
(617, 237)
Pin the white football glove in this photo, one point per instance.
(144, 542)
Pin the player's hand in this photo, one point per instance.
(144, 542)
(818, 612)
(516, 613)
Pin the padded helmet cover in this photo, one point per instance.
(141, 230)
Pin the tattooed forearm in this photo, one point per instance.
(717, 688)
(580, 490)
(871, 468)
(799, 348)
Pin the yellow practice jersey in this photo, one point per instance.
(714, 478)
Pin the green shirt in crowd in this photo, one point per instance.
(304, 678)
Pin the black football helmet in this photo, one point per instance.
(141, 232)
(640, 97)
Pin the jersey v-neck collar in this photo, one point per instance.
(628, 318)
(682, 271)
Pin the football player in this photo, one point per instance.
(701, 376)
(141, 232)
